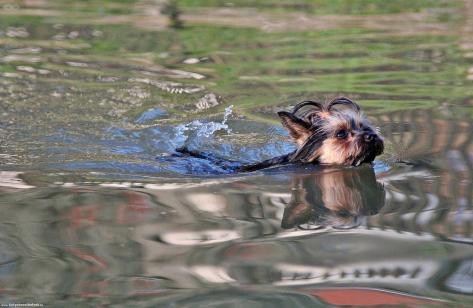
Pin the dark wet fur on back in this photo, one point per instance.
(226, 165)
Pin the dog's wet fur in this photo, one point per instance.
(333, 133)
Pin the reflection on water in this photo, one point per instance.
(95, 96)
(309, 238)
(338, 198)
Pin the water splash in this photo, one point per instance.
(203, 129)
(227, 114)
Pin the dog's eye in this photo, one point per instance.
(342, 134)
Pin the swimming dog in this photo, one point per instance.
(333, 133)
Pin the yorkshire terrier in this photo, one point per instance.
(335, 133)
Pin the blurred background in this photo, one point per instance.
(95, 96)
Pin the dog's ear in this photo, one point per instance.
(345, 102)
(310, 111)
(298, 129)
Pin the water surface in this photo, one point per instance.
(95, 97)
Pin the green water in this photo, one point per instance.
(95, 96)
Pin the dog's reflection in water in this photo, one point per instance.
(338, 198)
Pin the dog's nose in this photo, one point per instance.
(369, 137)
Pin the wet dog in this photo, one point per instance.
(333, 133)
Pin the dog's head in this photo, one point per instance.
(333, 133)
